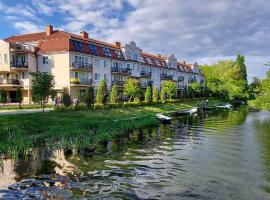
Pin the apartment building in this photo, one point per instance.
(78, 61)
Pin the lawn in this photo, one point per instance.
(86, 127)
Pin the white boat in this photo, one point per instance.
(163, 118)
(193, 110)
(226, 106)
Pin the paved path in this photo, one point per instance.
(23, 111)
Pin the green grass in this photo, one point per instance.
(84, 128)
(27, 106)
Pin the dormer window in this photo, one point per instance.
(118, 54)
(107, 52)
(78, 46)
(92, 49)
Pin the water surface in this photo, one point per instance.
(211, 156)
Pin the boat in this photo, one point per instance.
(163, 118)
(226, 106)
(193, 110)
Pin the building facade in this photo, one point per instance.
(77, 62)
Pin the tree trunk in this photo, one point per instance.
(43, 105)
(130, 98)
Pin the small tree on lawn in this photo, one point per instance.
(132, 89)
(3, 97)
(89, 97)
(114, 94)
(102, 93)
(163, 96)
(155, 95)
(42, 86)
(19, 97)
(169, 87)
(66, 98)
(148, 94)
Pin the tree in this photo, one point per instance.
(155, 95)
(89, 97)
(132, 89)
(195, 88)
(3, 97)
(254, 88)
(163, 95)
(114, 94)
(148, 94)
(42, 86)
(19, 97)
(101, 93)
(66, 98)
(170, 88)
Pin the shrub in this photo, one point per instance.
(19, 97)
(66, 98)
(80, 107)
(89, 97)
(162, 96)
(99, 106)
(60, 108)
(101, 93)
(114, 94)
(148, 94)
(155, 95)
(3, 97)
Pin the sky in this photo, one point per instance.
(193, 30)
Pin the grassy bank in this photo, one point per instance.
(84, 128)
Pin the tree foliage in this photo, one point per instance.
(170, 88)
(66, 98)
(155, 95)
(114, 94)
(227, 79)
(3, 97)
(89, 97)
(102, 93)
(132, 89)
(163, 95)
(148, 94)
(19, 97)
(254, 88)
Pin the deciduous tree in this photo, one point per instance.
(114, 94)
(101, 93)
(132, 89)
(19, 97)
(89, 97)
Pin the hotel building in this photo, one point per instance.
(78, 61)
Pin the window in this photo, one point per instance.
(96, 62)
(5, 58)
(92, 49)
(118, 54)
(128, 65)
(107, 52)
(106, 63)
(78, 46)
(45, 60)
(106, 77)
(76, 75)
(135, 57)
(96, 77)
(23, 75)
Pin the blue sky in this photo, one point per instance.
(203, 31)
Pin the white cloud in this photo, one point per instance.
(27, 27)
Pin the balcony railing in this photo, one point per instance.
(192, 80)
(118, 83)
(146, 84)
(21, 48)
(19, 64)
(79, 81)
(146, 74)
(121, 70)
(78, 65)
(166, 76)
(10, 82)
(181, 86)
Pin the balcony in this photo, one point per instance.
(166, 77)
(123, 71)
(21, 49)
(181, 78)
(146, 74)
(81, 66)
(80, 82)
(118, 83)
(19, 65)
(181, 86)
(192, 80)
(10, 83)
(146, 84)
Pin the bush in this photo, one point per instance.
(3, 97)
(114, 105)
(155, 95)
(101, 93)
(60, 108)
(99, 106)
(114, 94)
(89, 97)
(80, 107)
(148, 94)
(66, 98)
(162, 96)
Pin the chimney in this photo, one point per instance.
(118, 44)
(84, 34)
(159, 55)
(49, 29)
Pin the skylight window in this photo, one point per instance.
(107, 52)
(118, 54)
(92, 49)
(78, 46)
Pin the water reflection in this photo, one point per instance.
(211, 156)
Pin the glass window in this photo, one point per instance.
(135, 56)
(107, 52)
(78, 46)
(76, 74)
(5, 58)
(92, 48)
(118, 54)
(106, 77)
(96, 77)
(45, 60)
(96, 62)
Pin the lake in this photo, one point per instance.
(215, 155)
